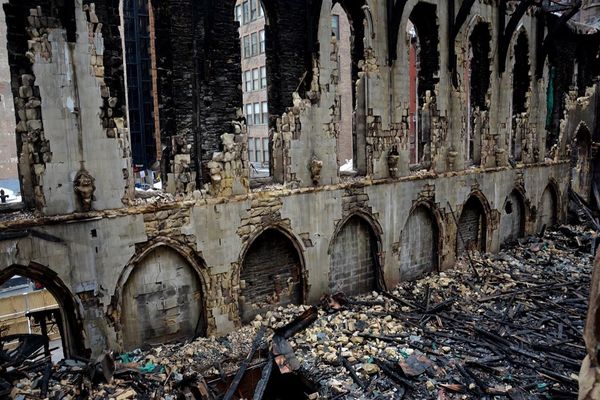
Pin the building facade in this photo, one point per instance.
(128, 269)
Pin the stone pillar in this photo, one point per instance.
(589, 376)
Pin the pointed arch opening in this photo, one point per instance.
(271, 274)
(422, 32)
(520, 99)
(581, 162)
(348, 31)
(472, 227)
(354, 260)
(478, 83)
(42, 304)
(420, 244)
(548, 208)
(161, 299)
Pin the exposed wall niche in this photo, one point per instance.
(271, 274)
(162, 300)
(354, 260)
(472, 227)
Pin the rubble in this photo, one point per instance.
(513, 332)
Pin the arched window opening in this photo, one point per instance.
(10, 186)
(581, 163)
(478, 78)
(420, 245)
(424, 64)
(512, 220)
(342, 34)
(472, 226)
(162, 300)
(253, 40)
(271, 275)
(142, 93)
(521, 84)
(354, 260)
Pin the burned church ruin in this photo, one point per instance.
(471, 122)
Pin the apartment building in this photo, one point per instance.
(251, 16)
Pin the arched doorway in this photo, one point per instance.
(512, 221)
(271, 274)
(47, 293)
(472, 226)
(548, 208)
(354, 261)
(419, 253)
(161, 300)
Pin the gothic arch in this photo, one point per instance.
(355, 249)
(70, 307)
(474, 224)
(513, 216)
(548, 206)
(172, 305)
(271, 272)
(421, 241)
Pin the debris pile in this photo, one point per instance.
(513, 331)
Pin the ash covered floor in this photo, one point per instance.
(513, 329)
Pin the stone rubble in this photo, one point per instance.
(515, 332)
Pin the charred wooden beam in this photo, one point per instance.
(244, 365)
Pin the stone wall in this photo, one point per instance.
(90, 235)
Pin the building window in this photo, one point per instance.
(263, 77)
(261, 12)
(265, 143)
(256, 79)
(335, 26)
(238, 14)
(249, 116)
(255, 44)
(253, 9)
(257, 152)
(247, 49)
(246, 11)
(251, 150)
(265, 112)
(257, 118)
(261, 35)
(248, 80)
